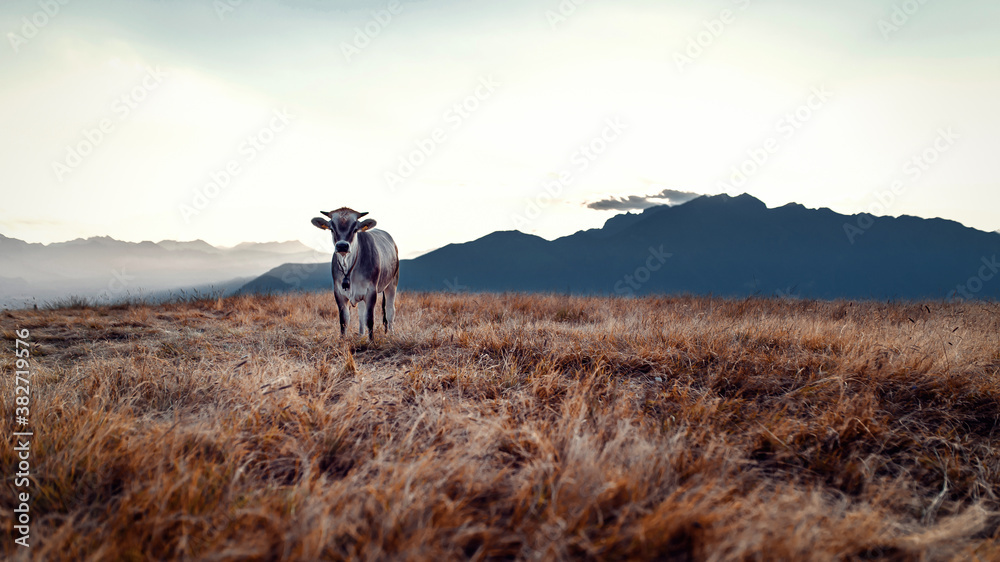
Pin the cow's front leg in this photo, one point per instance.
(345, 316)
(363, 316)
(366, 314)
(370, 314)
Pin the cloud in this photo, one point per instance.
(640, 202)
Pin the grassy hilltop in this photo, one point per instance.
(512, 427)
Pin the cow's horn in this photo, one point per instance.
(362, 214)
(328, 215)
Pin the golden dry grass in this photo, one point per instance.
(513, 427)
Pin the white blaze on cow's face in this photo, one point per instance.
(343, 226)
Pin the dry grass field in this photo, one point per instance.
(511, 427)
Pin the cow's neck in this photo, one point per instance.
(347, 262)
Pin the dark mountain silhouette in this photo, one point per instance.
(716, 245)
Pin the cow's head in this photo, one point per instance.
(344, 225)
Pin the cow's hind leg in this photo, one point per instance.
(385, 319)
(389, 304)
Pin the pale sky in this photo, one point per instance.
(333, 110)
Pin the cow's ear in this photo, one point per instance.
(370, 223)
(320, 223)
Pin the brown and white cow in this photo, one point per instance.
(365, 263)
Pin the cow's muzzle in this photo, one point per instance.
(345, 284)
(343, 247)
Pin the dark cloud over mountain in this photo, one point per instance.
(641, 202)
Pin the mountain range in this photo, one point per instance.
(105, 269)
(722, 245)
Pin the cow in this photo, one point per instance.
(365, 263)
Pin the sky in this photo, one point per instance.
(239, 120)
